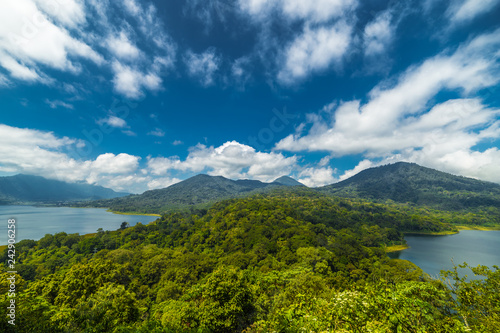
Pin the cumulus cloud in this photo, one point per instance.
(314, 177)
(203, 65)
(397, 120)
(231, 160)
(42, 153)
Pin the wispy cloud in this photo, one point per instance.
(54, 104)
(131, 82)
(203, 65)
(113, 121)
(157, 132)
(315, 50)
(378, 34)
(40, 36)
(121, 46)
(466, 10)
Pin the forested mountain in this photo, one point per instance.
(281, 262)
(200, 189)
(34, 189)
(410, 183)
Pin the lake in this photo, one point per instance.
(35, 222)
(434, 253)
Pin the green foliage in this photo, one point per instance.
(477, 301)
(285, 262)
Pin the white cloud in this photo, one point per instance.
(113, 121)
(378, 34)
(317, 10)
(42, 153)
(115, 164)
(158, 183)
(30, 37)
(131, 82)
(321, 45)
(4, 81)
(314, 177)
(54, 104)
(231, 160)
(466, 10)
(157, 132)
(315, 50)
(203, 66)
(17, 70)
(122, 47)
(69, 13)
(314, 11)
(177, 142)
(37, 36)
(398, 121)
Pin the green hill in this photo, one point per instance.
(410, 183)
(196, 191)
(22, 189)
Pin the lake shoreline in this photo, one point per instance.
(396, 248)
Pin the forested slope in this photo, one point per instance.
(410, 183)
(282, 262)
(201, 191)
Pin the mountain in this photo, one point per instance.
(288, 181)
(410, 183)
(200, 189)
(34, 189)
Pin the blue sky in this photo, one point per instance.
(137, 95)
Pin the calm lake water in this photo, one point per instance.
(434, 253)
(35, 222)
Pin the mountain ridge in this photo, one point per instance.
(21, 189)
(197, 190)
(405, 182)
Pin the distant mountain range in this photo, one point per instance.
(200, 189)
(410, 183)
(400, 182)
(25, 189)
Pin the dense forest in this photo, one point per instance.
(279, 262)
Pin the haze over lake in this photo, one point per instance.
(35, 222)
(434, 253)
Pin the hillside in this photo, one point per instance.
(20, 189)
(410, 183)
(197, 190)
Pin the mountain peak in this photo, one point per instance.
(411, 183)
(288, 181)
